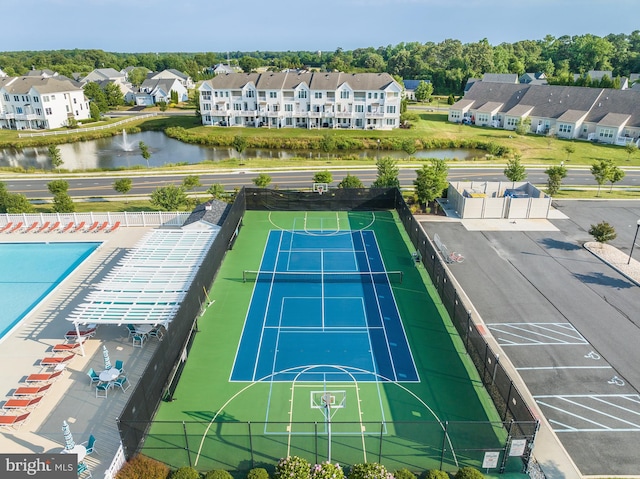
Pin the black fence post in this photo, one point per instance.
(253, 462)
(444, 443)
(468, 329)
(315, 429)
(506, 448)
(381, 436)
(508, 398)
(186, 442)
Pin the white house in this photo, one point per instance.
(173, 74)
(153, 91)
(302, 100)
(102, 74)
(36, 102)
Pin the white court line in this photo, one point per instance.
(562, 367)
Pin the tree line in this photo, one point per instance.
(447, 64)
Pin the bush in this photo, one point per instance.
(185, 472)
(404, 473)
(468, 473)
(369, 470)
(257, 473)
(220, 474)
(143, 467)
(293, 467)
(326, 470)
(436, 474)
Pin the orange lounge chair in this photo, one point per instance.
(22, 403)
(54, 227)
(31, 390)
(33, 226)
(42, 377)
(55, 360)
(16, 227)
(66, 347)
(92, 227)
(102, 226)
(6, 227)
(13, 422)
(43, 227)
(67, 228)
(115, 226)
(86, 333)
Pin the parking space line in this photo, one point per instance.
(562, 367)
(536, 334)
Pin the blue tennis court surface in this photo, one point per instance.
(323, 310)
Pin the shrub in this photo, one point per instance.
(257, 473)
(404, 473)
(143, 467)
(220, 474)
(185, 472)
(293, 467)
(468, 473)
(326, 470)
(369, 470)
(436, 474)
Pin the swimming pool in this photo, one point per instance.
(30, 271)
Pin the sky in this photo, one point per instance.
(282, 25)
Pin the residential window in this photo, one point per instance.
(45, 98)
(75, 101)
(67, 107)
(359, 108)
(273, 94)
(359, 122)
(206, 95)
(564, 128)
(369, 95)
(391, 109)
(16, 98)
(391, 121)
(381, 95)
(251, 93)
(317, 94)
(375, 95)
(47, 111)
(53, 97)
(344, 94)
(38, 111)
(455, 114)
(226, 93)
(483, 117)
(207, 118)
(288, 107)
(215, 94)
(6, 97)
(237, 106)
(288, 121)
(606, 133)
(206, 106)
(302, 94)
(36, 99)
(19, 110)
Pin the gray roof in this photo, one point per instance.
(508, 94)
(614, 119)
(213, 212)
(163, 83)
(22, 85)
(572, 116)
(625, 102)
(233, 80)
(500, 77)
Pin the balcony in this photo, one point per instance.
(7, 116)
(344, 114)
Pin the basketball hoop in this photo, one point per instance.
(320, 190)
(320, 187)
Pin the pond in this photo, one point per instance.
(123, 152)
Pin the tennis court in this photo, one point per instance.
(323, 334)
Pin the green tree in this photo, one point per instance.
(169, 198)
(174, 97)
(57, 186)
(240, 143)
(55, 156)
(113, 95)
(424, 91)
(262, 180)
(17, 203)
(62, 203)
(249, 64)
(631, 149)
(602, 232)
(144, 151)
(350, 181)
(190, 182)
(524, 126)
(515, 170)
(569, 149)
(327, 143)
(388, 172)
(409, 146)
(4, 193)
(96, 95)
(450, 99)
(137, 75)
(615, 174)
(323, 177)
(123, 186)
(555, 176)
(94, 111)
(162, 105)
(216, 191)
(601, 171)
(431, 181)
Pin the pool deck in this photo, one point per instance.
(71, 397)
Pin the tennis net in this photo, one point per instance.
(392, 277)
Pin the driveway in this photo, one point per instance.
(569, 323)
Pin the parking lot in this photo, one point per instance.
(568, 322)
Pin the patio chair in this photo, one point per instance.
(24, 404)
(13, 422)
(131, 329)
(54, 227)
(94, 377)
(90, 445)
(67, 227)
(55, 360)
(83, 469)
(101, 227)
(93, 226)
(17, 227)
(31, 227)
(86, 333)
(114, 227)
(123, 383)
(138, 340)
(119, 365)
(102, 389)
(157, 333)
(66, 347)
(43, 377)
(44, 226)
(6, 227)
(31, 390)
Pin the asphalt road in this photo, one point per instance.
(568, 322)
(143, 184)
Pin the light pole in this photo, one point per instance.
(634, 241)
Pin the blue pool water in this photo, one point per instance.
(30, 271)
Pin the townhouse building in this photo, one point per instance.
(35, 102)
(302, 100)
(570, 112)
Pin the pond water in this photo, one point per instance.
(123, 152)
